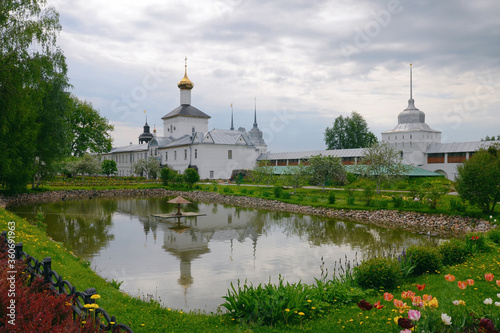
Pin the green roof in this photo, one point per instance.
(413, 171)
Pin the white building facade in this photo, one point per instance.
(187, 142)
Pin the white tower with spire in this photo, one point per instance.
(412, 135)
(256, 134)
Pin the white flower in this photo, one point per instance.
(491, 216)
(446, 319)
(456, 302)
(498, 295)
(497, 304)
(488, 301)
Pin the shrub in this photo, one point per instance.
(494, 236)
(191, 176)
(453, 252)
(351, 200)
(286, 195)
(167, 175)
(378, 273)
(457, 205)
(397, 201)
(266, 194)
(227, 190)
(331, 199)
(380, 203)
(243, 190)
(337, 293)
(425, 259)
(278, 191)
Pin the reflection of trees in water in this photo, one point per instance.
(82, 226)
(370, 240)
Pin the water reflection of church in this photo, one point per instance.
(190, 240)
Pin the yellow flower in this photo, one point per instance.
(314, 308)
(287, 310)
(301, 313)
(143, 325)
(95, 296)
(309, 301)
(396, 319)
(112, 322)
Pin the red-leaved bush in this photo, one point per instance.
(36, 308)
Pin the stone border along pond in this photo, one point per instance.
(435, 225)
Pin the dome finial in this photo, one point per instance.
(411, 93)
(185, 83)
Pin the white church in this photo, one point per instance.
(186, 142)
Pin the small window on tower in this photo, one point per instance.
(196, 153)
(229, 154)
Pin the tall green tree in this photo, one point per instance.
(327, 170)
(32, 68)
(479, 179)
(90, 132)
(382, 163)
(349, 132)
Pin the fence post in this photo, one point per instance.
(47, 267)
(87, 294)
(4, 237)
(19, 251)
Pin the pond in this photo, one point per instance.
(190, 266)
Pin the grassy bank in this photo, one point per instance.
(150, 317)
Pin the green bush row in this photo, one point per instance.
(387, 273)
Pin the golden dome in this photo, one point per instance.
(185, 83)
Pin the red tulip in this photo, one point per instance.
(488, 277)
(470, 282)
(462, 285)
(388, 296)
(377, 305)
(420, 287)
(398, 303)
(449, 277)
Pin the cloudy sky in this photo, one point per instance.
(306, 62)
